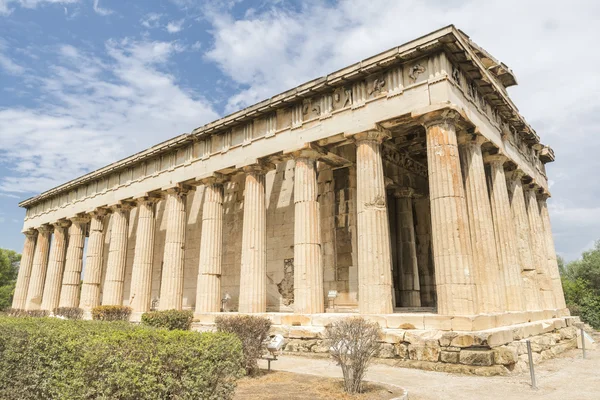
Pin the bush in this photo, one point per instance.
(169, 319)
(16, 312)
(354, 342)
(252, 332)
(61, 359)
(111, 313)
(69, 312)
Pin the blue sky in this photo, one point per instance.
(86, 82)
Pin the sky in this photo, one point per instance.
(84, 83)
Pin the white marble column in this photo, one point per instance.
(92, 279)
(56, 266)
(410, 290)
(308, 262)
(559, 296)
(117, 256)
(141, 274)
(424, 256)
(171, 288)
(35, 291)
(70, 292)
(523, 241)
(208, 292)
(374, 252)
(455, 284)
(253, 275)
(488, 280)
(22, 285)
(505, 232)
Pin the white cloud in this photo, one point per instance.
(101, 11)
(5, 10)
(175, 26)
(151, 20)
(8, 65)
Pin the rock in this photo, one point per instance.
(463, 340)
(386, 350)
(519, 346)
(423, 338)
(422, 353)
(505, 355)
(536, 358)
(449, 357)
(402, 350)
(568, 332)
(476, 357)
(540, 343)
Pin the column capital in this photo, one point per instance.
(31, 232)
(121, 206)
(99, 212)
(448, 114)
(80, 219)
(178, 188)
(62, 223)
(260, 167)
(495, 158)
(376, 135)
(215, 178)
(148, 198)
(516, 174)
(310, 151)
(471, 138)
(45, 228)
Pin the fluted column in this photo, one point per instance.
(410, 295)
(374, 252)
(523, 241)
(488, 280)
(24, 276)
(424, 256)
(208, 292)
(117, 256)
(308, 262)
(449, 221)
(35, 291)
(539, 248)
(559, 296)
(56, 266)
(92, 278)
(70, 292)
(171, 288)
(505, 232)
(253, 284)
(141, 274)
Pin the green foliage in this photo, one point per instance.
(111, 313)
(69, 312)
(169, 319)
(252, 332)
(9, 268)
(61, 359)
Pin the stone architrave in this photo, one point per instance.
(140, 294)
(410, 289)
(70, 292)
(523, 241)
(92, 278)
(117, 256)
(253, 284)
(488, 279)
(374, 251)
(35, 291)
(424, 256)
(559, 296)
(56, 266)
(171, 288)
(208, 292)
(452, 251)
(24, 276)
(308, 261)
(504, 229)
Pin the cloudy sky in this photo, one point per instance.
(86, 82)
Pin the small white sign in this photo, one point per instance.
(332, 294)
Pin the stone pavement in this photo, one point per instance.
(566, 377)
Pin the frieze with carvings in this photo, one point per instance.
(403, 160)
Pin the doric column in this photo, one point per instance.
(141, 273)
(308, 262)
(253, 284)
(35, 291)
(70, 292)
(410, 295)
(374, 252)
(424, 256)
(208, 292)
(488, 281)
(449, 221)
(505, 232)
(56, 266)
(539, 247)
(117, 256)
(171, 288)
(20, 295)
(523, 241)
(92, 278)
(559, 296)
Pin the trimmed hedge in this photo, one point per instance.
(47, 358)
(69, 312)
(17, 312)
(169, 319)
(111, 313)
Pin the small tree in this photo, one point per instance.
(354, 342)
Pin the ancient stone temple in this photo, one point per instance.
(406, 187)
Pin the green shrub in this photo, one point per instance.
(111, 313)
(169, 319)
(252, 331)
(16, 312)
(61, 359)
(69, 312)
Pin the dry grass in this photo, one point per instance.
(286, 385)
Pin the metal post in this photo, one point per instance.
(583, 341)
(531, 371)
